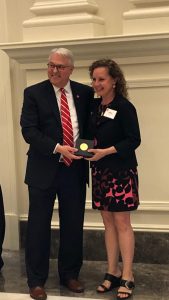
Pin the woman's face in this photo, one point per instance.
(103, 83)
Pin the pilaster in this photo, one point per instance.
(147, 16)
(61, 19)
(7, 142)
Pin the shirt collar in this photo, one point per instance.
(66, 87)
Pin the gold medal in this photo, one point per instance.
(83, 146)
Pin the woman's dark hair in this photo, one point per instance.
(114, 71)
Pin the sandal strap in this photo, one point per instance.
(111, 277)
(127, 284)
(105, 289)
(123, 293)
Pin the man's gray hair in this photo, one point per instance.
(64, 52)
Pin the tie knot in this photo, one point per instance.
(62, 90)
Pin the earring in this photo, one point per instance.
(114, 86)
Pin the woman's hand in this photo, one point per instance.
(100, 153)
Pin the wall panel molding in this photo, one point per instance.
(89, 225)
(148, 213)
(144, 82)
(148, 83)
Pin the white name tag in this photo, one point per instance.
(110, 113)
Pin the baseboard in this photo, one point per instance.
(150, 247)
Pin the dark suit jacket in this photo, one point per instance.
(42, 129)
(122, 132)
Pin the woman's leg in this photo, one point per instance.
(126, 245)
(112, 247)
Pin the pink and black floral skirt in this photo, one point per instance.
(117, 191)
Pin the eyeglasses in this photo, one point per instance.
(58, 67)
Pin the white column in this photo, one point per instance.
(8, 175)
(62, 19)
(147, 16)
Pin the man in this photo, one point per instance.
(2, 227)
(49, 174)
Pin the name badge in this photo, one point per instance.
(110, 113)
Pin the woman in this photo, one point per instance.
(114, 171)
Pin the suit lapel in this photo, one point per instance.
(76, 92)
(51, 96)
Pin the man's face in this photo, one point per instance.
(59, 70)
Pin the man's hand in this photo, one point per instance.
(68, 152)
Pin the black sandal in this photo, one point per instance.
(128, 285)
(114, 282)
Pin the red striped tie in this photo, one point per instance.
(66, 124)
